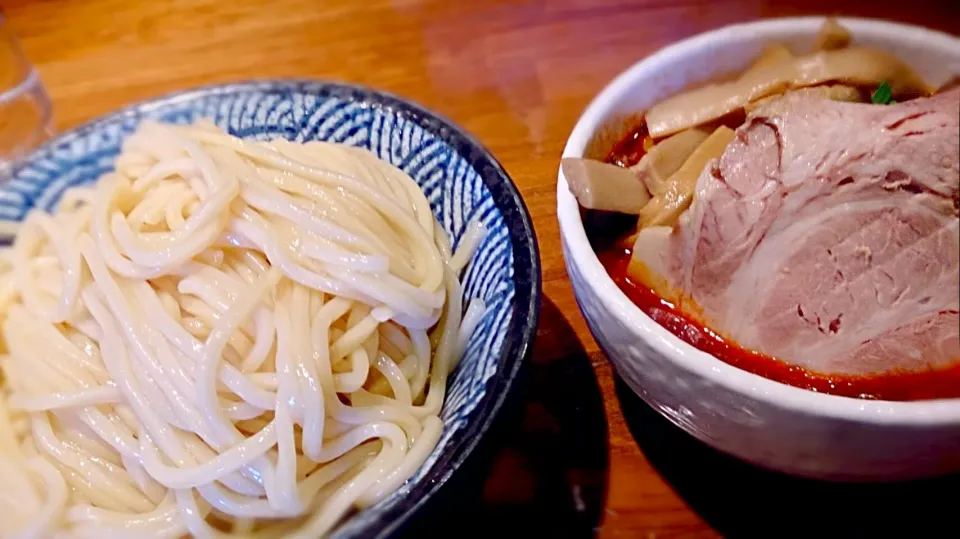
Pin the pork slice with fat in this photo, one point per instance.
(827, 235)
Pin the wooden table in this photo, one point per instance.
(517, 74)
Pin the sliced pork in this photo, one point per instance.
(827, 236)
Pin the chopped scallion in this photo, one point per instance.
(882, 95)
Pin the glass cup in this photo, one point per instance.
(25, 112)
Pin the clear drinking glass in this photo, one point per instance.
(25, 113)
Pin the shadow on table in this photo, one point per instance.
(742, 500)
(547, 476)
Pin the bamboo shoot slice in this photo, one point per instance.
(772, 55)
(602, 186)
(833, 92)
(664, 209)
(667, 156)
(832, 36)
(855, 66)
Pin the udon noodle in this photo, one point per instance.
(224, 337)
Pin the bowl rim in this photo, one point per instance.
(850, 409)
(527, 275)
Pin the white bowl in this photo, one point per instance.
(761, 421)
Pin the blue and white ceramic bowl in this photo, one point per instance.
(460, 178)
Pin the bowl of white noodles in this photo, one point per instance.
(278, 308)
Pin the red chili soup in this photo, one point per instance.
(903, 386)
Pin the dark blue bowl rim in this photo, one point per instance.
(521, 333)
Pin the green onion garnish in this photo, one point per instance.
(882, 95)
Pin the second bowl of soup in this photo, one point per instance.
(761, 227)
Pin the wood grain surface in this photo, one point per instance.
(585, 458)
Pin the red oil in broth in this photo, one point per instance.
(630, 149)
(905, 386)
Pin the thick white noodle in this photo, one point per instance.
(224, 338)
